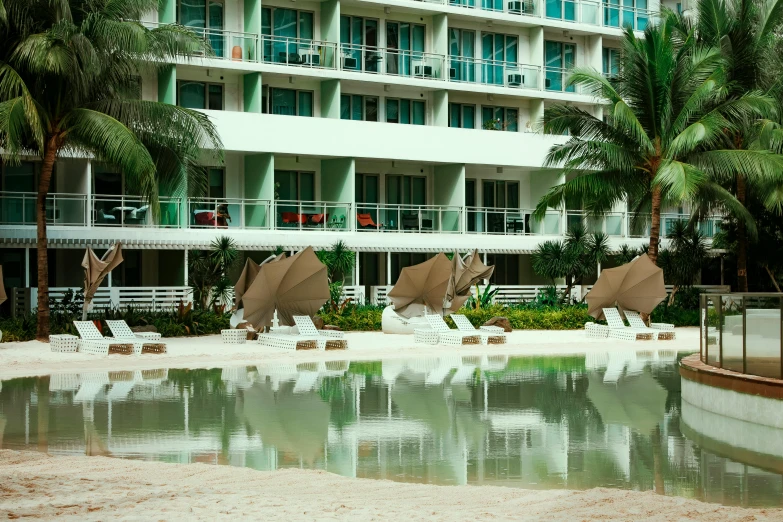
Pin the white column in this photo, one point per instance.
(88, 207)
(388, 268)
(356, 279)
(186, 268)
(27, 268)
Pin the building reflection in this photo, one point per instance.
(608, 420)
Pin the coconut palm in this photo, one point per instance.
(659, 141)
(70, 83)
(744, 31)
(684, 257)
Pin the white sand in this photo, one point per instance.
(34, 485)
(35, 358)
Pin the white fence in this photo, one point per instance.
(24, 300)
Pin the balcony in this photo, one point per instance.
(226, 45)
(516, 7)
(134, 211)
(18, 208)
(494, 72)
(584, 12)
(512, 222)
(300, 52)
(312, 215)
(409, 218)
(556, 79)
(229, 213)
(395, 62)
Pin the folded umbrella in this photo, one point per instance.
(96, 269)
(464, 275)
(421, 285)
(637, 285)
(248, 275)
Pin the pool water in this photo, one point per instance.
(601, 420)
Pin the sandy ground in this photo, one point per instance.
(35, 358)
(38, 486)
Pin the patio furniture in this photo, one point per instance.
(596, 331)
(292, 218)
(92, 341)
(64, 343)
(665, 330)
(488, 334)
(332, 339)
(319, 219)
(234, 336)
(618, 330)
(287, 342)
(365, 221)
(143, 342)
(448, 336)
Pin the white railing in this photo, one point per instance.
(623, 16)
(395, 62)
(408, 218)
(353, 292)
(613, 224)
(312, 215)
(302, 52)
(229, 213)
(512, 221)
(24, 300)
(18, 208)
(556, 79)
(584, 12)
(134, 211)
(494, 72)
(227, 45)
(517, 7)
(378, 294)
(638, 225)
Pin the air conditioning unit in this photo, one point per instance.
(453, 73)
(423, 70)
(547, 83)
(514, 79)
(350, 62)
(515, 7)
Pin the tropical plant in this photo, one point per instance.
(684, 257)
(745, 31)
(660, 141)
(482, 299)
(69, 82)
(208, 272)
(627, 253)
(339, 260)
(573, 259)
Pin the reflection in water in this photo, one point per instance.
(610, 420)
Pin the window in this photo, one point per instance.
(205, 17)
(462, 52)
(406, 190)
(368, 195)
(19, 178)
(357, 107)
(401, 110)
(284, 33)
(288, 102)
(500, 118)
(217, 183)
(499, 52)
(561, 9)
(462, 116)
(559, 58)
(500, 194)
(405, 45)
(358, 44)
(611, 62)
(294, 186)
(200, 95)
(626, 13)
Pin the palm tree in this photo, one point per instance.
(745, 33)
(69, 82)
(685, 256)
(658, 144)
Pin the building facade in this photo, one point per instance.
(402, 127)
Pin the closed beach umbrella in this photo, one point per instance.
(3, 295)
(298, 285)
(249, 273)
(638, 402)
(464, 275)
(637, 285)
(422, 284)
(96, 269)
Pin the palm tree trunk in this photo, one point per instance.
(50, 155)
(655, 225)
(742, 241)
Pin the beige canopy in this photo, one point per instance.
(248, 275)
(637, 285)
(96, 270)
(3, 295)
(298, 285)
(420, 285)
(464, 275)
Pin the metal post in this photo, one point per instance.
(27, 267)
(388, 268)
(720, 332)
(356, 279)
(744, 335)
(186, 268)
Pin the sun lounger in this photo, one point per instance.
(665, 330)
(488, 334)
(446, 335)
(327, 339)
(596, 331)
(618, 330)
(92, 341)
(287, 342)
(143, 342)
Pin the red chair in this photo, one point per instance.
(205, 219)
(319, 219)
(292, 218)
(365, 221)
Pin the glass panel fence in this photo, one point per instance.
(312, 215)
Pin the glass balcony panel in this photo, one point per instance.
(762, 331)
(301, 52)
(732, 333)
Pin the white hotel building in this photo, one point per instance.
(402, 127)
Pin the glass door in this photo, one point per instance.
(405, 43)
(470, 202)
(561, 9)
(498, 51)
(612, 13)
(368, 195)
(462, 51)
(560, 57)
(205, 17)
(359, 44)
(18, 209)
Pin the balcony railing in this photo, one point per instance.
(134, 211)
(494, 72)
(556, 79)
(313, 215)
(408, 218)
(301, 52)
(622, 16)
(517, 7)
(639, 225)
(228, 45)
(512, 222)
(395, 62)
(585, 12)
(613, 224)
(18, 208)
(229, 213)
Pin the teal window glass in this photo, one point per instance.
(345, 107)
(455, 119)
(405, 111)
(371, 108)
(612, 13)
(500, 118)
(462, 53)
(392, 111)
(216, 22)
(305, 107)
(192, 13)
(217, 183)
(284, 102)
(306, 25)
(418, 113)
(215, 97)
(192, 95)
(611, 62)
(307, 186)
(559, 57)
(357, 104)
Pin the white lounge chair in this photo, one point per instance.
(143, 342)
(665, 330)
(446, 335)
(618, 330)
(488, 334)
(92, 341)
(330, 339)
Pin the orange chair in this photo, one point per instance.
(319, 219)
(292, 218)
(365, 221)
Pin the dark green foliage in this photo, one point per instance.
(208, 272)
